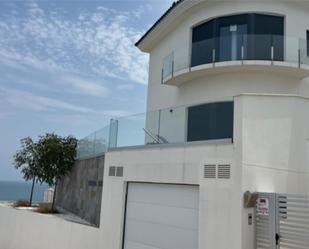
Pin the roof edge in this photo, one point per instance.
(174, 5)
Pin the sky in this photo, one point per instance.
(69, 66)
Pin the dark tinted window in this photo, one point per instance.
(223, 38)
(203, 43)
(266, 32)
(307, 43)
(210, 121)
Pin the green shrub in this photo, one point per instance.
(21, 203)
(45, 208)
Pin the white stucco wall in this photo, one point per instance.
(272, 132)
(22, 229)
(220, 200)
(275, 143)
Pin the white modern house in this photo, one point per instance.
(227, 113)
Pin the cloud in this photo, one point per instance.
(125, 87)
(33, 102)
(82, 85)
(100, 43)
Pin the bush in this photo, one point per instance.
(45, 208)
(21, 203)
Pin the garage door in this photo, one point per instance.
(161, 216)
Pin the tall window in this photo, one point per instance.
(210, 121)
(307, 42)
(236, 37)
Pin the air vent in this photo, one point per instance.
(224, 171)
(119, 171)
(210, 171)
(112, 171)
(115, 171)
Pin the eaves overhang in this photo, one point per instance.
(164, 23)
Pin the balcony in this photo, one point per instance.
(203, 122)
(282, 54)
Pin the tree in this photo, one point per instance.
(26, 159)
(56, 157)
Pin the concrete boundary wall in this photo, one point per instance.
(80, 192)
(22, 229)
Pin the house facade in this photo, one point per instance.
(227, 112)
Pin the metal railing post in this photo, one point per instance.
(162, 78)
(242, 54)
(299, 59)
(214, 57)
(272, 54)
(172, 68)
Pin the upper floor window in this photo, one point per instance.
(210, 121)
(237, 37)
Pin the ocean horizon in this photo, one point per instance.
(20, 190)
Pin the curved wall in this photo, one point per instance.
(211, 87)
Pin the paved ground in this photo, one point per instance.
(62, 213)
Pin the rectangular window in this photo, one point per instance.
(210, 121)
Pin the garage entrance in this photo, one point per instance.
(161, 216)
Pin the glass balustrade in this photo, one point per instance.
(272, 48)
(175, 125)
(94, 144)
(199, 122)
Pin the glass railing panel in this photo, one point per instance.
(137, 130)
(151, 127)
(101, 140)
(229, 48)
(291, 49)
(172, 126)
(85, 146)
(304, 51)
(181, 59)
(258, 47)
(168, 64)
(203, 52)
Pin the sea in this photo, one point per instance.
(11, 191)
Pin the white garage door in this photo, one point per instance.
(161, 216)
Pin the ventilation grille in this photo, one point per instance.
(210, 171)
(224, 171)
(112, 171)
(214, 171)
(115, 171)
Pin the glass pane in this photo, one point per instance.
(210, 121)
(101, 140)
(202, 52)
(173, 125)
(231, 42)
(130, 130)
(151, 127)
(168, 66)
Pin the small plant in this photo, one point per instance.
(46, 208)
(21, 203)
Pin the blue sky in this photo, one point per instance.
(69, 66)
